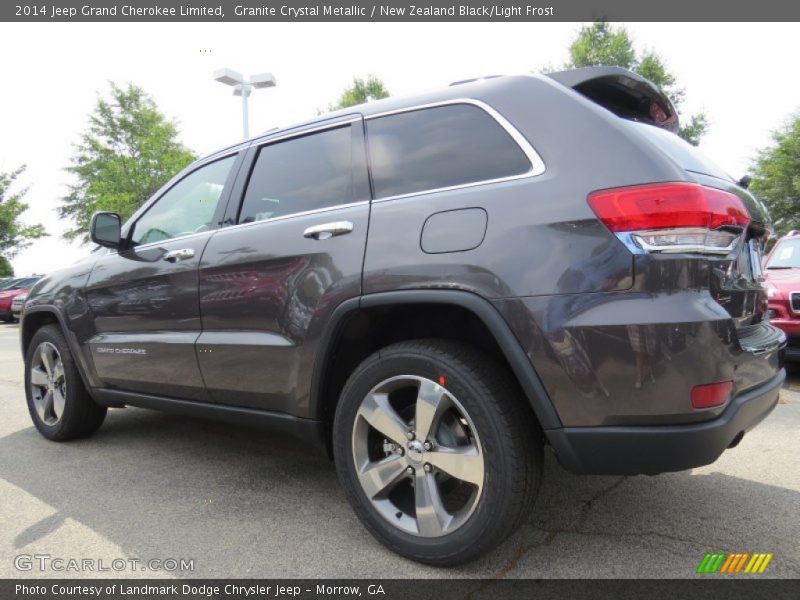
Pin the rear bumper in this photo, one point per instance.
(630, 450)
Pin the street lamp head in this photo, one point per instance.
(228, 77)
(262, 80)
(243, 87)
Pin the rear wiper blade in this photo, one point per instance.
(775, 268)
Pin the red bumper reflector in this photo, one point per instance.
(711, 394)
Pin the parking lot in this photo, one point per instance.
(243, 503)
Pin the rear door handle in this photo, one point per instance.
(328, 230)
(174, 256)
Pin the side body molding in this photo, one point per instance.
(520, 364)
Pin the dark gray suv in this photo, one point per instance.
(433, 290)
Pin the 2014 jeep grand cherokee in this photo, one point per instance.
(434, 289)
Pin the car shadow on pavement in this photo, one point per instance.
(243, 503)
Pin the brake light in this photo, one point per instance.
(672, 217)
(711, 394)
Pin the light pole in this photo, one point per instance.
(243, 86)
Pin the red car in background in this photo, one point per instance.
(11, 290)
(782, 280)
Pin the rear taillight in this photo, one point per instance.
(672, 217)
(711, 394)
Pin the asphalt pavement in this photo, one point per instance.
(236, 502)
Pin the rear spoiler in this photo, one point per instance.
(623, 92)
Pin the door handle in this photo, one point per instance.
(174, 256)
(328, 230)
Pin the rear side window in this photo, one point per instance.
(305, 173)
(440, 147)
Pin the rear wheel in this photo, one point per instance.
(59, 405)
(437, 452)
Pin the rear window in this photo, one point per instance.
(440, 147)
(682, 152)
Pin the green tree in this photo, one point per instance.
(601, 44)
(361, 91)
(14, 236)
(6, 270)
(776, 176)
(128, 151)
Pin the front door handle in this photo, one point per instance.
(328, 230)
(174, 256)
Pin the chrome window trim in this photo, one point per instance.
(293, 215)
(537, 164)
(252, 223)
(286, 135)
(167, 241)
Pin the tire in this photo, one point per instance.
(485, 419)
(70, 413)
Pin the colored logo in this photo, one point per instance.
(734, 562)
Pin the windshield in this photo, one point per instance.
(20, 283)
(7, 285)
(786, 255)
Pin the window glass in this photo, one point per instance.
(305, 173)
(187, 207)
(786, 255)
(440, 147)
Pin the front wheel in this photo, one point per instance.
(59, 405)
(437, 452)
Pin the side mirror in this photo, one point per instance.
(105, 229)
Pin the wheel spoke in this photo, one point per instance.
(377, 411)
(46, 406)
(58, 404)
(432, 518)
(465, 463)
(38, 377)
(430, 406)
(378, 477)
(47, 359)
(58, 370)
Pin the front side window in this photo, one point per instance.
(187, 207)
(440, 147)
(305, 173)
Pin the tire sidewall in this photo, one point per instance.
(465, 387)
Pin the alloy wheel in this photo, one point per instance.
(48, 383)
(418, 456)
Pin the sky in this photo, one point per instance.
(52, 73)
